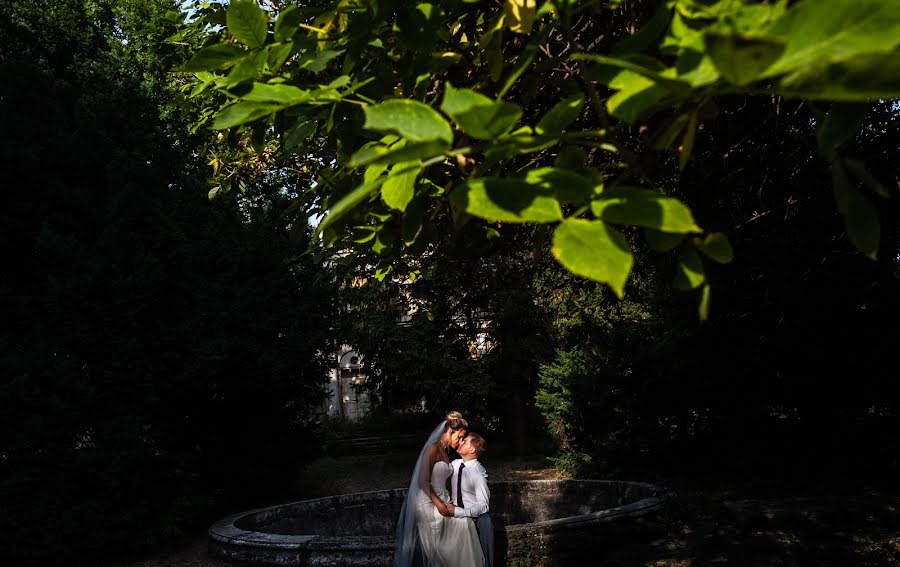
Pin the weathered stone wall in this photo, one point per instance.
(531, 519)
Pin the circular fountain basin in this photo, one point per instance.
(535, 516)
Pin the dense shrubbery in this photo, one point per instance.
(158, 352)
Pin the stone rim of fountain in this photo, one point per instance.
(227, 533)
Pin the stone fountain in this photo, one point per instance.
(555, 517)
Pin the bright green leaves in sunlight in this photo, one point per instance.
(689, 273)
(821, 49)
(534, 197)
(520, 15)
(386, 154)
(742, 61)
(400, 185)
(287, 23)
(644, 207)
(216, 56)
(479, 116)
(834, 30)
(243, 112)
(280, 94)
(247, 22)
(439, 120)
(716, 247)
(595, 250)
(560, 116)
(410, 119)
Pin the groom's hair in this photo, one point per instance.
(478, 442)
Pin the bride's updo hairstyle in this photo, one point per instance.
(454, 421)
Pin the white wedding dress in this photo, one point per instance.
(446, 542)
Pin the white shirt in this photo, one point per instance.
(475, 493)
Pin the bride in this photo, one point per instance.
(444, 541)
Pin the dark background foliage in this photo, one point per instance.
(159, 352)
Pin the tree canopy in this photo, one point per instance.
(419, 127)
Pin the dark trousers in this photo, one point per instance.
(485, 526)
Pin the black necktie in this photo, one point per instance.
(459, 500)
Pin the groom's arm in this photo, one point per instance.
(482, 499)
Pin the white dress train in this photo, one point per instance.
(446, 542)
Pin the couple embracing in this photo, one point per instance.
(440, 527)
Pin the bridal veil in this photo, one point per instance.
(407, 530)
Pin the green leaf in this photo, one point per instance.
(479, 116)
(741, 60)
(561, 116)
(400, 185)
(637, 98)
(318, 62)
(694, 66)
(862, 223)
(373, 171)
(241, 113)
(673, 84)
(413, 219)
(299, 134)
(646, 208)
(287, 23)
(861, 219)
(525, 59)
(282, 94)
(535, 197)
(520, 15)
(859, 171)
(514, 145)
(363, 234)
(278, 54)
(703, 306)
(841, 123)
(662, 241)
(218, 56)
(247, 22)
(246, 69)
(382, 244)
(666, 136)
(687, 143)
(387, 155)
(594, 250)
(690, 273)
(862, 78)
(716, 247)
(413, 120)
(818, 32)
(350, 201)
(571, 157)
(508, 200)
(841, 186)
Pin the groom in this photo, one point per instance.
(470, 494)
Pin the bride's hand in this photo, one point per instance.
(447, 510)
